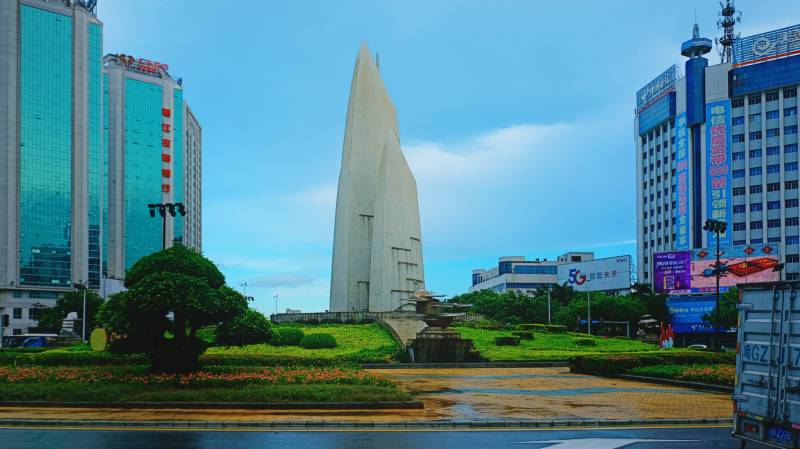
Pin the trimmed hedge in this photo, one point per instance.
(70, 358)
(287, 336)
(621, 363)
(541, 328)
(556, 329)
(271, 360)
(507, 341)
(523, 335)
(585, 342)
(318, 341)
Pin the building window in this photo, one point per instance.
(790, 130)
(754, 99)
(755, 135)
(756, 225)
(792, 239)
(792, 276)
(737, 103)
(773, 187)
(738, 191)
(739, 209)
(776, 168)
(772, 224)
(790, 148)
(755, 153)
(772, 96)
(738, 156)
(772, 205)
(793, 221)
(738, 173)
(17, 313)
(774, 240)
(646, 244)
(737, 120)
(792, 258)
(772, 151)
(788, 112)
(739, 242)
(756, 207)
(755, 120)
(774, 132)
(789, 93)
(738, 138)
(790, 203)
(771, 115)
(790, 185)
(791, 166)
(756, 189)
(739, 226)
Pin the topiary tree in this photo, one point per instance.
(248, 328)
(171, 295)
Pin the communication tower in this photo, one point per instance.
(729, 17)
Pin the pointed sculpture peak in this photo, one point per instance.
(695, 31)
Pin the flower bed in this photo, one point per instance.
(710, 374)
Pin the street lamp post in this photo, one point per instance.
(244, 288)
(548, 305)
(81, 286)
(276, 304)
(717, 227)
(163, 209)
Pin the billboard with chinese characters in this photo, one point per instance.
(719, 200)
(766, 46)
(687, 313)
(685, 272)
(682, 182)
(613, 273)
(653, 90)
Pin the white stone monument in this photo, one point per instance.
(377, 246)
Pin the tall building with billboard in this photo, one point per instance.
(51, 153)
(154, 149)
(579, 270)
(720, 142)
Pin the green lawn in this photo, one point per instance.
(546, 347)
(356, 343)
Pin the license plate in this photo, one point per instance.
(755, 353)
(780, 435)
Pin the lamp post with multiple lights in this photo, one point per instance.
(717, 227)
(163, 209)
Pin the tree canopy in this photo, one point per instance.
(51, 319)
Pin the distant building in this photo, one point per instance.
(721, 142)
(51, 153)
(154, 149)
(579, 270)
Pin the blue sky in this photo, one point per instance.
(516, 118)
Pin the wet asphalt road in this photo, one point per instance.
(679, 438)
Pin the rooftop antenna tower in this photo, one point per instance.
(729, 17)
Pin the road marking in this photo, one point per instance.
(364, 430)
(599, 443)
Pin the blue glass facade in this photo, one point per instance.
(178, 161)
(104, 240)
(696, 91)
(96, 153)
(142, 184)
(45, 172)
(661, 110)
(535, 269)
(764, 76)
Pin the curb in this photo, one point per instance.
(658, 380)
(551, 364)
(223, 405)
(366, 426)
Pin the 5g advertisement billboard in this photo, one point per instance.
(685, 272)
(613, 273)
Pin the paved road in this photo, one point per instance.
(646, 438)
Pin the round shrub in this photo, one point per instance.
(287, 336)
(523, 335)
(248, 328)
(586, 342)
(318, 341)
(506, 341)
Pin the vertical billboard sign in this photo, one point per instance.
(718, 174)
(682, 182)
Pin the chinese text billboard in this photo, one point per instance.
(719, 202)
(684, 272)
(682, 182)
(613, 273)
(687, 313)
(766, 46)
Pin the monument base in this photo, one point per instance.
(437, 345)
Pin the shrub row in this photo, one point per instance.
(523, 335)
(542, 328)
(318, 341)
(315, 321)
(620, 363)
(586, 342)
(69, 358)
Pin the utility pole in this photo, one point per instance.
(81, 286)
